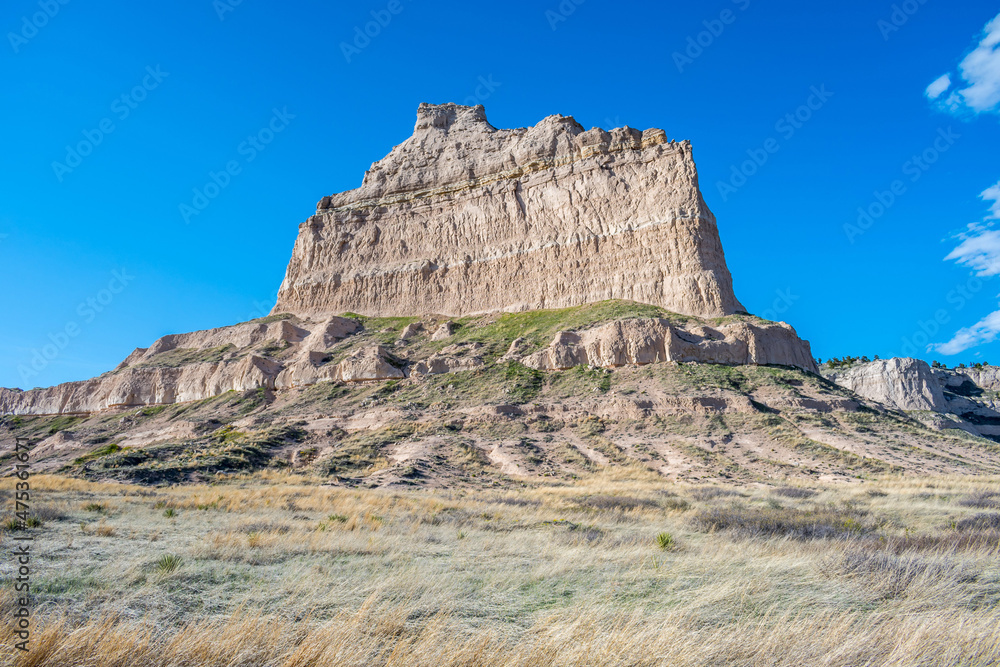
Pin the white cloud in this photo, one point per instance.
(979, 249)
(978, 90)
(993, 195)
(985, 330)
(940, 85)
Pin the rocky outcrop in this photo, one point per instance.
(465, 218)
(371, 363)
(283, 354)
(189, 367)
(452, 359)
(903, 384)
(143, 385)
(647, 341)
(961, 398)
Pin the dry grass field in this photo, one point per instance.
(618, 568)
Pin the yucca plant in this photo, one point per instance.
(665, 541)
(168, 563)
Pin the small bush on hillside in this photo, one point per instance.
(706, 493)
(986, 500)
(794, 492)
(981, 521)
(603, 502)
(818, 523)
(889, 575)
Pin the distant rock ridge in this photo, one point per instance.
(464, 218)
(961, 398)
(904, 384)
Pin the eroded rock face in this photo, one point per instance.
(465, 218)
(647, 341)
(452, 359)
(904, 384)
(371, 363)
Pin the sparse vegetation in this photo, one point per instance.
(666, 541)
(168, 563)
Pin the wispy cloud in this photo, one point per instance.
(985, 330)
(993, 195)
(979, 249)
(941, 84)
(977, 89)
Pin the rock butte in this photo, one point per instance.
(463, 219)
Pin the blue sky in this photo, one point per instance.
(871, 131)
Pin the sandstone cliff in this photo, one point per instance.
(465, 218)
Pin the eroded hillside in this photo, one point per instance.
(467, 402)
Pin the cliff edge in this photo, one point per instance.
(463, 218)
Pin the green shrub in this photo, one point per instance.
(168, 563)
(666, 541)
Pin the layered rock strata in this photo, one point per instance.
(465, 218)
(647, 341)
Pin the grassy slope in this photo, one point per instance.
(552, 437)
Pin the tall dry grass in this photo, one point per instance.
(378, 634)
(282, 571)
